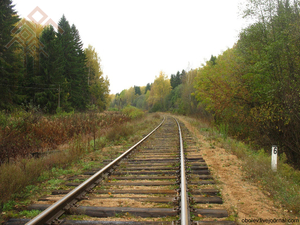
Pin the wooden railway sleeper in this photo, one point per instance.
(56, 222)
(72, 210)
(72, 204)
(92, 186)
(81, 196)
(68, 202)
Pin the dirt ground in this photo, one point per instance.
(242, 199)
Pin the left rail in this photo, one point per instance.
(184, 203)
(53, 212)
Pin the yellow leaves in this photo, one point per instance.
(160, 89)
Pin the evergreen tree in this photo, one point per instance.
(148, 88)
(79, 83)
(137, 90)
(65, 40)
(173, 81)
(51, 73)
(176, 79)
(75, 72)
(213, 60)
(10, 57)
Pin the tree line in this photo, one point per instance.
(46, 68)
(164, 94)
(251, 89)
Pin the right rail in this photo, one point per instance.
(184, 203)
(146, 185)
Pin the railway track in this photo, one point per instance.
(161, 180)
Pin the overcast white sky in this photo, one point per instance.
(136, 39)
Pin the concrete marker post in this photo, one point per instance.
(274, 158)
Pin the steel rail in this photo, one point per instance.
(58, 208)
(184, 206)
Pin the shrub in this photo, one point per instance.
(133, 112)
(117, 132)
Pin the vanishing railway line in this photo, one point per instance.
(161, 180)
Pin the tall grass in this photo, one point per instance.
(29, 132)
(15, 176)
(283, 186)
(24, 171)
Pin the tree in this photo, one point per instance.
(159, 91)
(51, 73)
(79, 81)
(213, 60)
(148, 88)
(270, 50)
(75, 71)
(98, 86)
(11, 63)
(223, 91)
(137, 90)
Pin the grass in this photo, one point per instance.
(24, 133)
(19, 133)
(29, 214)
(40, 176)
(283, 186)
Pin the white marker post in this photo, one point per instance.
(274, 158)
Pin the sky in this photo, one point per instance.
(136, 39)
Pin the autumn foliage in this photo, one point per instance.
(250, 91)
(26, 133)
(254, 87)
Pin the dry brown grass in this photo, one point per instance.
(15, 176)
(31, 132)
(282, 186)
(23, 171)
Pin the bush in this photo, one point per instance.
(132, 112)
(113, 110)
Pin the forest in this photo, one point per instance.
(47, 69)
(251, 91)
